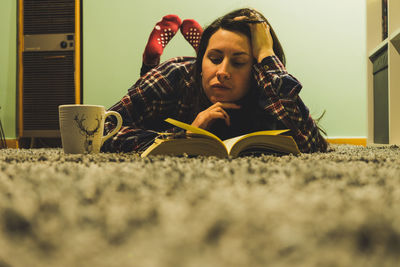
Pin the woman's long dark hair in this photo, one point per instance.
(227, 22)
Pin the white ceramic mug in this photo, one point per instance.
(82, 127)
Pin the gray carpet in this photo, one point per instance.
(334, 209)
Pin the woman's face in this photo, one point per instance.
(226, 66)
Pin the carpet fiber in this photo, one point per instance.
(331, 209)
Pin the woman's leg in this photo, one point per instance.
(144, 69)
(158, 39)
(163, 33)
(192, 31)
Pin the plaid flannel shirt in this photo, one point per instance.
(155, 97)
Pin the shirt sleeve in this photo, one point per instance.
(280, 98)
(143, 110)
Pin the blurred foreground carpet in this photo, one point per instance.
(334, 209)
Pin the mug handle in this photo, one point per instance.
(116, 129)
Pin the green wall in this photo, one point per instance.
(8, 63)
(324, 42)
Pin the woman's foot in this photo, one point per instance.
(192, 31)
(159, 38)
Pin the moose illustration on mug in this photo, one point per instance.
(89, 134)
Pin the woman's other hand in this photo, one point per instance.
(261, 39)
(217, 111)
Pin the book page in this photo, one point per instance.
(192, 129)
(192, 146)
(229, 143)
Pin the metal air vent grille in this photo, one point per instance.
(48, 81)
(49, 16)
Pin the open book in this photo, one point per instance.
(201, 142)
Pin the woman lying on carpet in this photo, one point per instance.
(237, 84)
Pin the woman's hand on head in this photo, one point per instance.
(261, 39)
(217, 111)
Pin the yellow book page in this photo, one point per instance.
(192, 129)
(229, 143)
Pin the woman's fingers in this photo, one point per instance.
(225, 105)
(262, 43)
(217, 111)
(221, 106)
(240, 18)
(220, 111)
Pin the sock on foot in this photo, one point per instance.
(159, 38)
(192, 31)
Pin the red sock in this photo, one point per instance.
(192, 32)
(159, 38)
